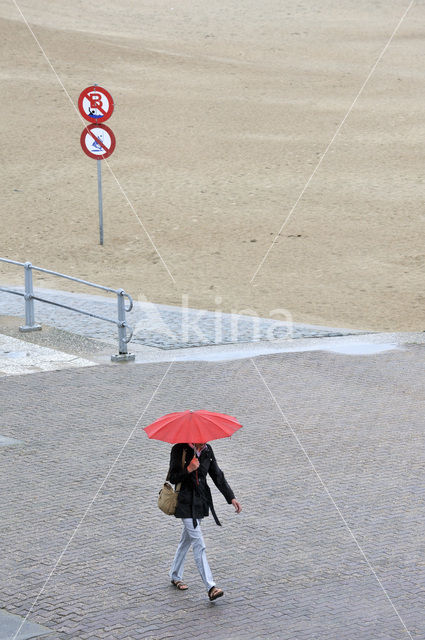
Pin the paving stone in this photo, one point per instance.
(158, 325)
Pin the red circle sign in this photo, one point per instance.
(95, 104)
(97, 141)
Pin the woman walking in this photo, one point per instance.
(189, 465)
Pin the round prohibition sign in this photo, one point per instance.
(98, 141)
(95, 104)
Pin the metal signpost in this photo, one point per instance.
(97, 140)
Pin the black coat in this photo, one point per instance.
(195, 499)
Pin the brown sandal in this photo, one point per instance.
(181, 586)
(215, 593)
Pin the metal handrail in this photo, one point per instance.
(62, 275)
(30, 324)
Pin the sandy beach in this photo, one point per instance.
(222, 113)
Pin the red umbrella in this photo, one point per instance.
(192, 426)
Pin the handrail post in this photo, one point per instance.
(30, 324)
(123, 354)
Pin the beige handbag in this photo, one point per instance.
(167, 499)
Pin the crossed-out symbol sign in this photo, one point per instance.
(95, 104)
(97, 141)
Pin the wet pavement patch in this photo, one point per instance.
(15, 354)
(359, 348)
(8, 442)
(10, 623)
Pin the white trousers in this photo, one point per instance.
(191, 536)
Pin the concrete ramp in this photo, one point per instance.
(10, 623)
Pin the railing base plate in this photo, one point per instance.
(27, 329)
(123, 357)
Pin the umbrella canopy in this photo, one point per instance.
(192, 426)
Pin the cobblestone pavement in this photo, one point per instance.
(157, 325)
(290, 563)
